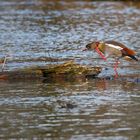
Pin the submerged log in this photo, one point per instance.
(67, 70)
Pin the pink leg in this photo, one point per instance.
(115, 69)
(101, 54)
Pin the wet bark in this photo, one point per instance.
(67, 70)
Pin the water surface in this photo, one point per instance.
(39, 32)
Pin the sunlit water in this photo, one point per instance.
(39, 32)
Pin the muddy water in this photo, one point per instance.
(39, 32)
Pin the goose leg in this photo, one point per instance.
(115, 68)
(101, 54)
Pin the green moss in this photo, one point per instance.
(72, 69)
(64, 71)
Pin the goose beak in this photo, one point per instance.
(84, 49)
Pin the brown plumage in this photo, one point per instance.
(112, 49)
(125, 50)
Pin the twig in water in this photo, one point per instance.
(49, 56)
(3, 65)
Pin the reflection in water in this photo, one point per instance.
(40, 32)
(87, 109)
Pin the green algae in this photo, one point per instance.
(69, 69)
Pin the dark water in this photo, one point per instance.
(40, 32)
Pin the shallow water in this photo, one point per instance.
(39, 32)
(93, 109)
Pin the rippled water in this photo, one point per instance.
(39, 32)
(93, 109)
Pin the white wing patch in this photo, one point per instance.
(114, 46)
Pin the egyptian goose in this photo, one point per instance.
(112, 49)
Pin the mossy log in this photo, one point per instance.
(66, 70)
